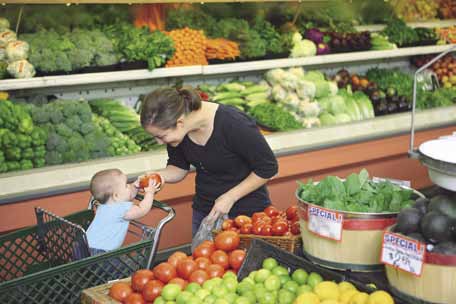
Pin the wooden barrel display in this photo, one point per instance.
(437, 283)
(360, 246)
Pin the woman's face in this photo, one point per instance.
(171, 136)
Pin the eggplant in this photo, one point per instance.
(381, 108)
(403, 106)
(392, 107)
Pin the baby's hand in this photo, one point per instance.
(153, 187)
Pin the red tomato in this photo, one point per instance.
(227, 240)
(292, 212)
(176, 257)
(241, 220)
(215, 270)
(185, 268)
(257, 215)
(120, 291)
(210, 244)
(181, 282)
(152, 290)
(202, 263)
(265, 220)
(227, 224)
(295, 228)
(266, 230)
(279, 228)
(198, 276)
(140, 278)
(256, 228)
(236, 258)
(164, 272)
(221, 258)
(203, 251)
(246, 228)
(135, 298)
(234, 229)
(271, 211)
(144, 182)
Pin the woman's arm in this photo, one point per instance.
(225, 201)
(172, 174)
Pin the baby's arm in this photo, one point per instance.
(140, 210)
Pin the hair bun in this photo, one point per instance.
(191, 98)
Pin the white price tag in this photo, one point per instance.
(403, 253)
(398, 182)
(325, 223)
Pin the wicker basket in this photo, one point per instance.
(291, 243)
(99, 294)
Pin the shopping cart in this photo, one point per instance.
(50, 263)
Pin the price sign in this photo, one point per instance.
(403, 253)
(398, 182)
(325, 223)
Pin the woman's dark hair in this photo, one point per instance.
(162, 107)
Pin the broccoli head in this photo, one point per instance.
(39, 137)
(13, 153)
(39, 152)
(54, 141)
(40, 115)
(9, 139)
(23, 141)
(27, 153)
(26, 164)
(53, 158)
(39, 162)
(63, 130)
(13, 166)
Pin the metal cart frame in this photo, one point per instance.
(27, 276)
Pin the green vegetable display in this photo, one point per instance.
(442, 97)
(191, 18)
(275, 117)
(392, 78)
(275, 42)
(138, 44)
(400, 33)
(356, 194)
(22, 143)
(52, 52)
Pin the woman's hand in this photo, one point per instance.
(222, 206)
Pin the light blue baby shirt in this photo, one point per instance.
(108, 229)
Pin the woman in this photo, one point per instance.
(232, 159)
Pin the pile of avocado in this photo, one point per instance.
(432, 222)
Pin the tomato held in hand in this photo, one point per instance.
(236, 258)
(271, 211)
(185, 268)
(215, 271)
(144, 181)
(279, 228)
(227, 240)
(241, 220)
(120, 291)
(176, 257)
(164, 272)
(140, 278)
(199, 276)
(221, 258)
(152, 290)
(135, 298)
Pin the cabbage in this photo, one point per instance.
(296, 38)
(304, 48)
(364, 104)
(342, 118)
(314, 76)
(327, 119)
(337, 105)
(333, 88)
(306, 89)
(352, 109)
(321, 88)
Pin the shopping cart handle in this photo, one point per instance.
(163, 206)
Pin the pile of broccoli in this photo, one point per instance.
(120, 143)
(71, 51)
(22, 143)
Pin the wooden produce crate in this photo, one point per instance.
(291, 243)
(99, 294)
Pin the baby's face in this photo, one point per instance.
(124, 191)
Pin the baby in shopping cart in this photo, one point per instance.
(110, 225)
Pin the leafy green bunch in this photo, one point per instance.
(356, 194)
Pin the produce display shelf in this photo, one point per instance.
(41, 182)
(110, 77)
(68, 2)
(427, 24)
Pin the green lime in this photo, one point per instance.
(193, 287)
(285, 296)
(304, 288)
(272, 283)
(313, 279)
(262, 275)
(299, 276)
(279, 270)
(291, 286)
(284, 279)
(270, 263)
(170, 292)
(183, 297)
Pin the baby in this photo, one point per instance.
(110, 225)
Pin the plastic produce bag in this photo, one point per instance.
(205, 230)
(17, 50)
(21, 69)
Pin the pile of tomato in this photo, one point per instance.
(209, 260)
(270, 222)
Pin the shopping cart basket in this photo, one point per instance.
(33, 271)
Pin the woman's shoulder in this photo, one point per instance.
(233, 117)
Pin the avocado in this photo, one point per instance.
(444, 205)
(437, 227)
(446, 248)
(421, 204)
(417, 236)
(408, 220)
